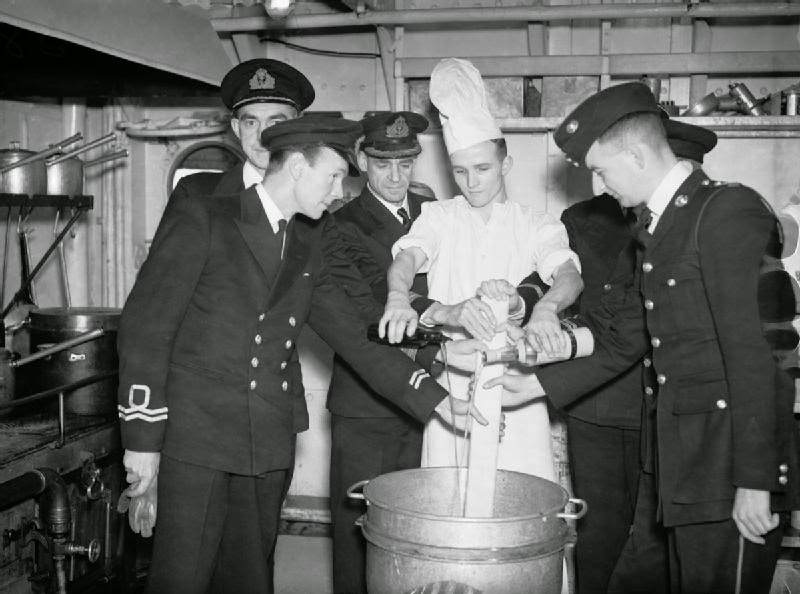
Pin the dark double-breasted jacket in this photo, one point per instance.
(366, 233)
(209, 372)
(723, 408)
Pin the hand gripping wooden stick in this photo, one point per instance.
(484, 440)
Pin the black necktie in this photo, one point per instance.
(639, 230)
(280, 235)
(406, 219)
(644, 219)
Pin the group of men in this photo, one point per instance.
(211, 393)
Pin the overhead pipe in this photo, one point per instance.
(481, 16)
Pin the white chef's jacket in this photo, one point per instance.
(463, 251)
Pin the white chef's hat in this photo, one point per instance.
(458, 93)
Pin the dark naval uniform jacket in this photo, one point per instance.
(209, 372)
(367, 231)
(723, 408)
(600, 234)
(208, 183)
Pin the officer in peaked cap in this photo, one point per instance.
(369, 435)
(688, 141)
(211, 393)
(259, 93)
(720, 457)
(598, 113)
(605, 429)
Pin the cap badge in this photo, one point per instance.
(681, 200)
(262, 80)
(572, 126)
(398, 128)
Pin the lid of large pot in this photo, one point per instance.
(13, 154)
(75, 318)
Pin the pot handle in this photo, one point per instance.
(353, 494)
(582, 506)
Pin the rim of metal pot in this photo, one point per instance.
(481, 556)
(464, 519)
(78, 318)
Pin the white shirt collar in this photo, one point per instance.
(250, 175)
(274, 213)
(658, 201)
(391, 206)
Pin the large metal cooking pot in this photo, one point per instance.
(53, 325)
(417, 536)
(30, 178)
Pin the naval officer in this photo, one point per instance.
(211, 394)
(369, 434)
(259, 93)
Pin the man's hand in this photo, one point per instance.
(456, 412)
(498, 289)
(517, 388)
(475, 316)
(544, 329)
(461, 354)
(751, 512)
(142, 469)
(398, 317)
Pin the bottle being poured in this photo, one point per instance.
(578, 341)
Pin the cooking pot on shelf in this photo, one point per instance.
(65, 171)
(25, 179)
(23, 171)
(96, 356)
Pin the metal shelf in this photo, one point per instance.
(739, 126)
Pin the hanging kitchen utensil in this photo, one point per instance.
(62, 262)
(27, 280)
(27, 293)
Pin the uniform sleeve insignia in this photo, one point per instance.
(417, 377)
(142, 411)
(398, 128)
(262, 80)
